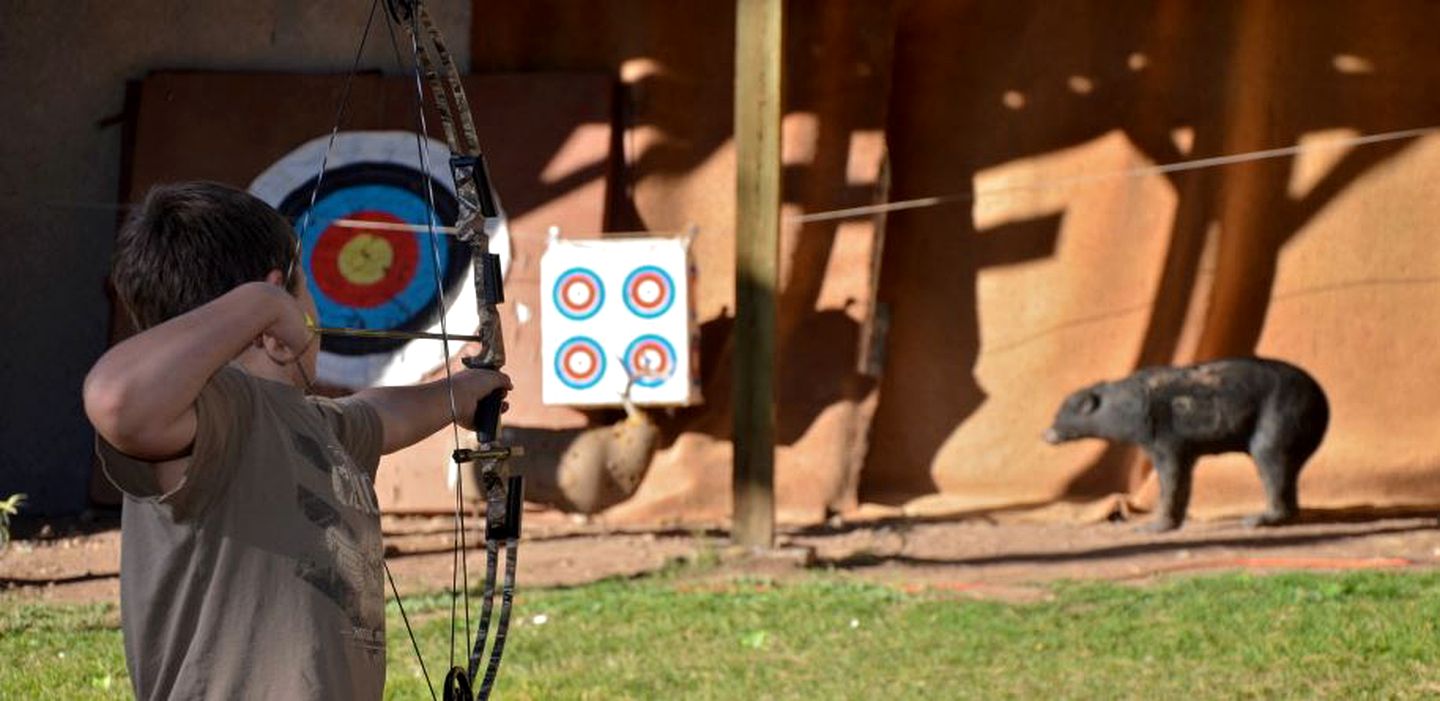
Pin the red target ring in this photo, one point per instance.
(579, 293)
(651, 360)
(364, 267)
(579, 363)
(649, 291)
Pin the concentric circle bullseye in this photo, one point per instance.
(649, 291)
(580, 362)
(651, 360)
(364, 267)
(373, 278)
(578, 293)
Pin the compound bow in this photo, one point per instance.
(479, 217)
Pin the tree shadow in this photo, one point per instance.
(1251, 203)
(673, 113)
(1039, 557)
(1176, 80)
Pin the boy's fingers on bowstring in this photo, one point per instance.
(282, 352)
(310, 340)
(276, 349)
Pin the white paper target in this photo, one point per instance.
(616, 308)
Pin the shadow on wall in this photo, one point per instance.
(676, 111)
(979, 84)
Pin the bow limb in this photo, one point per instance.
(479, 218)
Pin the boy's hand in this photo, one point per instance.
(473, 385)
(287, 340)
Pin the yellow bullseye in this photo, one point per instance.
(365, 259)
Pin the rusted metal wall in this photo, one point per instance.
(1059, 255)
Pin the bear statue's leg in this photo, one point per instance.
(1279, 475)
(1174, 472)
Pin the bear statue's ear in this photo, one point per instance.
(1090, 403)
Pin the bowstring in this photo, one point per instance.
(295, 258)
(330, 144)
(459, 563)
(411, 631)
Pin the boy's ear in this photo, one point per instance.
(276, 277)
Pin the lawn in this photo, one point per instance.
(1340, 636)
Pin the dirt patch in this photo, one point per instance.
(970, 557)
(1015, 560)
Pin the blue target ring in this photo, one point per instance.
(650, 360)
(417, 294)
(379, 273)
(580, 362)
(578, 293)
(649, 291)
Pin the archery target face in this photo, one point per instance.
(612, 312)
(651, 360)
(372, 278)
(578, 293)
(580, 363)
(378, 279)
(649, 291)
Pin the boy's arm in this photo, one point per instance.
(410, 413)
(141, 393)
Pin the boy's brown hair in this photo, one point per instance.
(189, 243)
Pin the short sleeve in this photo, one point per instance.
(357, 426)
(223, 411)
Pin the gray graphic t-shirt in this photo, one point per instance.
(260, 576)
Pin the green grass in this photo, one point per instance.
(49, 652)
(1344, 636)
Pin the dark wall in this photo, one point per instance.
(65, 65)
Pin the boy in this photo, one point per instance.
(251, 551)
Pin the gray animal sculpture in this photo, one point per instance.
(1270, 409)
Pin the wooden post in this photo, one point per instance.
(758, 34)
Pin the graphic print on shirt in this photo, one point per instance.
(350, 575)
(352, 488)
